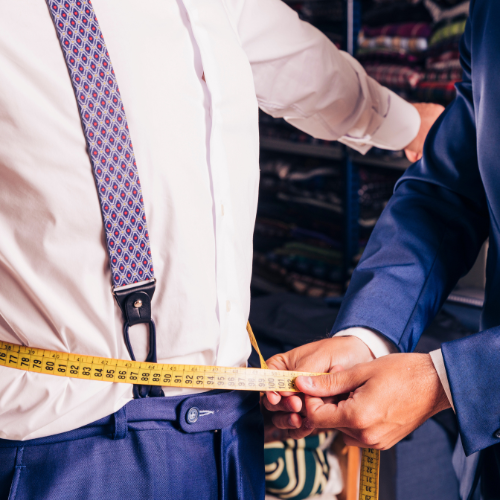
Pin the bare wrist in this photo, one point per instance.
(359, 351)
(437, 395)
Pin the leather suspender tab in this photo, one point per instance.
(135, 302)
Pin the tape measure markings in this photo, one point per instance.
(169, 375)
(136, 372)
(369, 474)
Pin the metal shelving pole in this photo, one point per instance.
(351, 172)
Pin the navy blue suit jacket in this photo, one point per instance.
(431, 231)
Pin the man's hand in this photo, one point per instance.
(384, 401)
(429, 113)
(324, 356)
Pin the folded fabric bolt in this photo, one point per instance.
(390, 56)
(450, 59)
(451, 43)
(408, 30)
(393, 75)
(437, 85)
(412, 44)
(439, 13)
(323, 10)
(297, 282)
(397, 12)
(447, 31)
(447, 75)
(436, 91)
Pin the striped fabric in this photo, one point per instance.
(297, 469)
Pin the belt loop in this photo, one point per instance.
(121, 424)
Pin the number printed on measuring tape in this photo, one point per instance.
(184, 376)
(369, 474)
(143, 373)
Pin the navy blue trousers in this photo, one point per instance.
(203, 447)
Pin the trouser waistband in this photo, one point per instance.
(203, 412)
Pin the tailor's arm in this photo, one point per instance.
(427, 238)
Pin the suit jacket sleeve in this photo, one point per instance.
(428, 237)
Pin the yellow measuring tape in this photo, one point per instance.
(186, 376)
(135, 372)
(369, 474)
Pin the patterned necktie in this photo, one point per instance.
(108, 139)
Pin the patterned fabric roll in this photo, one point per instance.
(389, 56)
(412, 44)
(393, 75)
(297, 469)
(446, 75)
(436, 92)
(449, 59)
(408, 30)
(448, 31)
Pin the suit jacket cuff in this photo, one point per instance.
(472, 369)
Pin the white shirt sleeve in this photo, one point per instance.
(437, 359)
(378, 344)
(301, 76)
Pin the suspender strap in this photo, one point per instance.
(112, 156)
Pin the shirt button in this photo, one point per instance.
(228, 305)
(192, 415)
(497, 434)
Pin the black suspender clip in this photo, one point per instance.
(135, 303)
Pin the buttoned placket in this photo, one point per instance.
(218, 172)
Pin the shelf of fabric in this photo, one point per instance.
(330, 153)
(472, 297)
(261, 285)
(313, 150)
(385, 162)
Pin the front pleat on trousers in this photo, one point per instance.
(18, 468)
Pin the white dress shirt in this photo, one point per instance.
(197, 150)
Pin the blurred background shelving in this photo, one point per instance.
(319, 200)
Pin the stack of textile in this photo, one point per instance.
(298, 234)
(393, 42)
(442, 63)
(277, 128)
(326, 15)
(411, 46)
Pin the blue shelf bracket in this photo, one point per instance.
(351, 217)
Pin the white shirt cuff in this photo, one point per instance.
(400, 126)
(397, 129)
(377, 343)
(437, 359)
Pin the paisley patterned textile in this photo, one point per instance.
(108, 139)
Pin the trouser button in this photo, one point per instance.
(192, 415)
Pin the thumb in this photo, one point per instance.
(332, 384)
(413, 156)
